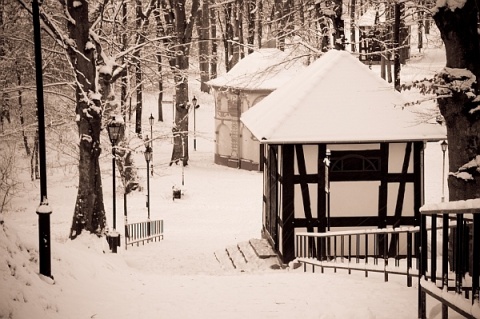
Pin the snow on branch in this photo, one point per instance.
(449, 4)
(447, 82)
(467, 170)
(456, 80)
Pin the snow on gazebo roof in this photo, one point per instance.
(265, 69)
(337, 99)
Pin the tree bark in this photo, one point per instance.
(89, 213)
(203, 56)
(459, 33)
(213, 36)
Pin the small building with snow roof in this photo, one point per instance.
(247, 83)
(340, 150)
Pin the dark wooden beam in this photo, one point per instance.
(383, 190)
(288, 199)
(302, 171)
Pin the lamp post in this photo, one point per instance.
(43, 211)
(151, 119)
(327, 184)
(444, 146)
(195, 106)
(113, 134)
(148, 157)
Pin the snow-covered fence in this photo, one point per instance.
(388, 251)
(454, 281)
(144, 231)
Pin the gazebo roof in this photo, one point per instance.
(338, 99)
(265, 69)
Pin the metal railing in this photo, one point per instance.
(388, 251)
(454, 280)
(143, 232)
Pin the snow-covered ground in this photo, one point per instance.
(179, 276)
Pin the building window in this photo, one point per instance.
(355, 163)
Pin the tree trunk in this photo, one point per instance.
(202, 31)
(138, 69)
(89, 213)
(180, 66)
(259, 25)
(250, 8)
(180, 147)
(458, 29)
(21, 110)
(124, 78)
(213, 36)
(339, 25)
(353, 36)
(228, 37)
(34, 165)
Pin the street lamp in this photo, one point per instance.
(148, 157)
(195, 106)
(328, 154)
(114, 128)
(444, 146)
(151, 120)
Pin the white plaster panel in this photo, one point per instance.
(298, 200)
(395, 158)
(311, 155)
(354, 198)
(408, 201)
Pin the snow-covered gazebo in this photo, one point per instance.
(247, 83)
(375, 175)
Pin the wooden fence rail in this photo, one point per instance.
(454, 280)
(143, 232)
(388, 251)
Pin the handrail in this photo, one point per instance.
(331, 249)
(455, 281)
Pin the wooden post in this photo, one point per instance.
(288, 199)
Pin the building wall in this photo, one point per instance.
(385, 192)
(234, 143)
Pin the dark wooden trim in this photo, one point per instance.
(340, 177)
(383, 189)
(321, 194)
(401, 177)
(288, 200)
(400, 195)
(364, 153)
(355, 176)
(418, 188)
(302, 171)
(418, 170)
(403, 181)
(261, 160)
(352, 221)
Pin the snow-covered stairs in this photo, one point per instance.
(248, 256)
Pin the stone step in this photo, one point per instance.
(224, 260)
(262, 248)
(248, 256)
(237, 257)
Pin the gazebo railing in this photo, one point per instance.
(388, 251)
(454, 280)
(142, 232)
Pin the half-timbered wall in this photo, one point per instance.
(366, 186)
(234, 143)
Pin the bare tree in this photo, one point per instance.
(458, 95)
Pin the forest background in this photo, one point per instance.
(99, 57)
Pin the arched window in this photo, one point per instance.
(355, 163)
